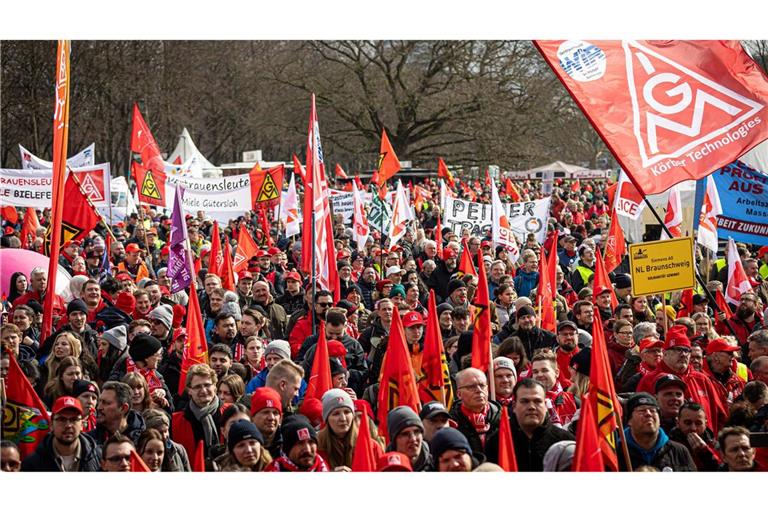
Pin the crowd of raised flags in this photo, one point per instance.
(388, 374)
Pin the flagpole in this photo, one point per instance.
(314, 262)
(90, 203)
(491, 381)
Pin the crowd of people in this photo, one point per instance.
(693, 380)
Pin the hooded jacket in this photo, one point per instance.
(533, 339)
(665, 455)
(44, 457)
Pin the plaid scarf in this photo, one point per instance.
(478, 420)
(283, 463)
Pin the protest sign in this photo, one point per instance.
(526, 217)
(743, 195)
(82, 159)
(34, 187)
(662, 266)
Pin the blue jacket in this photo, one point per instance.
(260, 380)
(525, 282)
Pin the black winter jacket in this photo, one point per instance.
(44, 458)
(529, 452)
(133, 430)
(464, 426)
(533, 339)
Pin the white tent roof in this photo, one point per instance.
(186, 149)
(559, 166)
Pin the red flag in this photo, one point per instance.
(738, 282)
(226, 272)
(266, 185)
(388, 162)
(320, 378)
(60, 138)
(465, 263)
(507, 458)
(265, 227)
(137, 463)
(588, 456)
(545, 298)
(198, 461)
(481, 335)
(720, 300)
(670, 111)
(601, 278)
(511, 191)
(686, 301)
(434, 376)
(366, 451)
(398, 381)
(215, 257)
(246, 249)
(299, 169)
(487, 178)
(29, 228)
(339, 172)
(195, 346)
(576, 185)
(439, 237)
(615, 245)
(25, 420)
(143, 143)
(79, 216)
(10, 214)
(443, 172)
(602, 388)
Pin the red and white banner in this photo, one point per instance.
(710, 209)
(738, 282)
(628, 201)
(673, 218)
(289, 211)
(34, 187)
(85, 158)
(670, 110)
(401, 214)
(360, 228)
(502, 233)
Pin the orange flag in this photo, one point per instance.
(60, 138)
(512, 191)
(365, 453)
(439, 237)
(434, 378)
(601, 387)
(481, 335)
(507, 459)
(198, 461)
(137, 463)
(601, 278)
(215, 257)
(720, 300)
(320, 378)
(246, 249)
(588, 456)
(545, 299)
(615, 246)
(195, 346)
(443, 172)
(465, 264)
(388, 162)
(225, 270)
(398, 381)
(339, 172)
(29, 227)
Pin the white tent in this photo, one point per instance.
(559, 169)
(186, 151)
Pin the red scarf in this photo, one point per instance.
(552, 395)
(283, 463)
(478, 420)
(153, 381)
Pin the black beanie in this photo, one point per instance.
(77, 305)
(455, 284)
(524, 311)
(82, 386)
(296, 428)
(449, 439)
(143, 346)
(240, 431)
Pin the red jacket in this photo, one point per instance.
(617, 354)
(563, 363)
(187, 431)
(740, 327)
(730, 389)
(700, 389)
(564, 404)
(59, 308)
(301, 330)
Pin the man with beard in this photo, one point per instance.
(602, 296)
(114, 414)
(269, 273)
(299, 448)
(345, 274)
(378, 331)
(567, 347)
(692, 432)
(220, 359)
(225, 331)
(367, 284)
(744, 322)
(276, 317)
(699, 387)
(304, 327)
(533, 337)
(457, 294)
(293, 298)
(583, 314)
(65, 448)
(117, 253)
(133, 264)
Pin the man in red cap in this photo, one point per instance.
(444, 269)
(65, 448)
(245, 289)
(650, 356)
(602, 296)
(699, 388)
(293, 298)
(132, 264)
(719, 365)
(69, 251)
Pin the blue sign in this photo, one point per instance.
(744, 197)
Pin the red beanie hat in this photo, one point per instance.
(126, 303)
(312, 408)
(363, 406)
(338, 350)
(178, 315)
(265, 397)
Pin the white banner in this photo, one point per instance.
(82, 159)
(34, 187)
(341, 202)
(526, 217)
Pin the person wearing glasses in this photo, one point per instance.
(116, 454)
(475, 415)
(303, 327)
(743, 322)
(65, 448)
(200, 419)
(619, 344)
(676, 359)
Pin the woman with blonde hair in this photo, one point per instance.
(68, 370)
(336, 441)
(579, 368)
(704, 329)
(245, 449)
(140, 399)
(65, 344)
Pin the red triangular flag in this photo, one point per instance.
(25, 420)
(576, 185)
(246, 249)
(615, 246)
(215, 257)
(195, 346)
(512, 191)
(481, 335)
(339, 172)
(320, 378)
(225, 271)
(588, 456)
(686, 303)
(545, 299)
(29, 228)
(465, 263)
(137, 463)
(365, 453)
(388, 162)
(443, 172)
(602, 388)
(507, 458)
(434, 376)
(143, 143)
(78, 216)
(720, 300)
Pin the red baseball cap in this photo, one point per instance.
(648, 343)
(394, 461)
(66, 402)
(165, 251)
(262, 253)
(273, 251)
(132, 248)
(413, 318)
(600, 290)
(762, 251)
(244, 274)
(264, 398)
(720, 345)
(124, 276)
(294, 276)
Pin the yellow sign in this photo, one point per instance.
(149, 187)
(662, 266)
